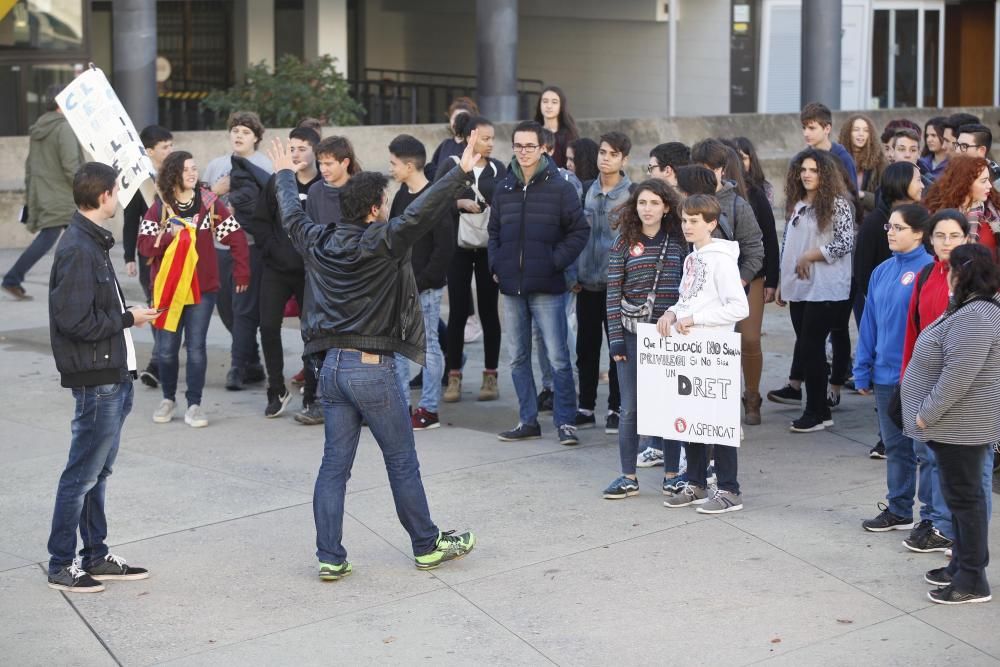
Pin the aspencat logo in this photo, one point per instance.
(702, 429)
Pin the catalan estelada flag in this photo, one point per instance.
(176, 283)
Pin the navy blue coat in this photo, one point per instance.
(536, 231)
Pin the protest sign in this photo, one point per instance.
(689, 386)
(105, 130)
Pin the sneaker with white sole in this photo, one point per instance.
(649, 457)
(73, 579)
(165, 412)
(195, 417)
(114, 568)
(688, 495)
(722, 501)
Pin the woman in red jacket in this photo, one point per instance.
(965, 185)
(177, 234)
(948, 229)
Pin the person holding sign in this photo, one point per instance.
(711, 297)
(178, 233)
(644, 272)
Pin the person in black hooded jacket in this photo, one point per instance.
(284, 276)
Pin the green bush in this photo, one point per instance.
(294, 90)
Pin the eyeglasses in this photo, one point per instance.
(895, 228)
(954, 238)
(965, 147)
(650, 168)
(525, 148)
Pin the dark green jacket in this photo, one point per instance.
(54, 156)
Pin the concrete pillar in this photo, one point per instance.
(820, 57)
(496, 58)
(134, 73)
(253, 34)
(325, 31)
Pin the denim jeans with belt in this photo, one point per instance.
(352, 389)
(97, 427)
(193, 325)
(549, 312)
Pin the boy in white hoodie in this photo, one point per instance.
(711, 297)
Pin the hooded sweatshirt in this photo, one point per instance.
(879, 355)
(54, 155)
(711, 292)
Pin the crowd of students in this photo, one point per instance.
(581, 254)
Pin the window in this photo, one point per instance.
(53, 25)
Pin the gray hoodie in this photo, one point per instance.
(740, 225)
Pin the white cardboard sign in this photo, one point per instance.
(689, 385)
(102, 125)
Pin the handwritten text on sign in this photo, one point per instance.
(102, 125)
(689, 386)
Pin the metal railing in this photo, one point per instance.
(389, 97)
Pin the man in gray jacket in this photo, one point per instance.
(738, 222)
(54, 155)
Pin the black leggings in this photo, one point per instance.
(464, 264)
(813, 321)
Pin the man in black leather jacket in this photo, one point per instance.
(364, 309)
(89, 328)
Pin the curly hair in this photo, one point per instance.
(831, 185)
(869, 156)
(625, 218)
(171, 177)
(951, 189)
(363, 191)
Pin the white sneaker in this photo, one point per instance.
(165, 412)
(473, 329)
(195, 417)
(649, 457)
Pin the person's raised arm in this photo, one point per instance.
(301, 229)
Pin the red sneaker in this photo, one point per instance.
(299, 378)
(422, 420)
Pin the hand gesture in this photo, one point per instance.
(684, 325)
(141, 315)
(281, 158)
(469, 156)
(803, 267)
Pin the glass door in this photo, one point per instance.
(907, 54)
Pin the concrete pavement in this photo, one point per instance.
(222, 518)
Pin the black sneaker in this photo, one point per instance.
(878, 451)
(583, 420)
(545, 400)
(788, 395)
(234, 379)
(611, 423)
(886, 521)
(567, 435)
(254, 374)
(73, 579)
(150, 377)
(311, 415)
(949, 595)
(809, 423)
(832, 399)
(277, 401)
(115, 568)
(938, 577)
(521, 432)
(622, 487)
(927, 541)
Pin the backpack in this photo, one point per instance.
(925, 274)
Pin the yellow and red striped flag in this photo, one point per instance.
(176, 283)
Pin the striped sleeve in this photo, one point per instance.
(962, 349)
(616, 276)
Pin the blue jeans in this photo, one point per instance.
(542, 354)
(97, 428)
(246, 315)
(41, 244)
(901, 463)
(430, 391)
(349, 391)
(193, 325)
(549, 312)
(628, 437)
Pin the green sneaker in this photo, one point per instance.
(449, 547)
(332, 572)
